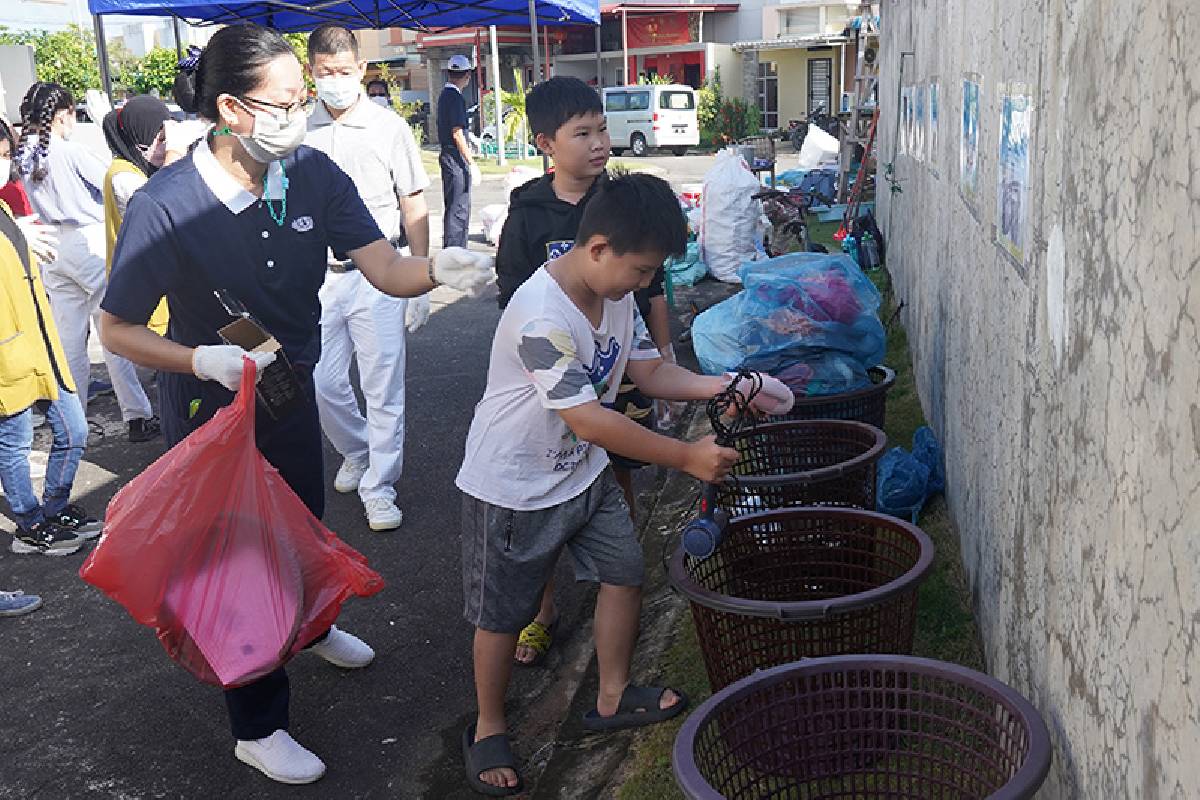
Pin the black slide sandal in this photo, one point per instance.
(493, 752)
(638, 707)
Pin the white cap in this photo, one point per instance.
(459, 64)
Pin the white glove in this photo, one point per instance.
(223, 363)
(464, 270)
(418, 312)
(476, 175)
(42, 240)
(773, 399)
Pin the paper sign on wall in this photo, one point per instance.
(1012, 170)
(968, 153)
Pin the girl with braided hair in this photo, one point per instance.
(65, 182)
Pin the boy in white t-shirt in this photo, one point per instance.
(536, 474)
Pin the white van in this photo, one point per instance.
(653, 116)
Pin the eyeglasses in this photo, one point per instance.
(288, 111)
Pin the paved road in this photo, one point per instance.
(93, 708)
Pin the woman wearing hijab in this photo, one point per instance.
(137, 135)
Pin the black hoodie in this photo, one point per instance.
(540, 227)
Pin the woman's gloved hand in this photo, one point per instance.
(42, 239)
(418, 312)
(463, 269)
(476, 175)
(773, 399)
(223, 363)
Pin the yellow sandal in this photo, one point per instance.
(538, 638)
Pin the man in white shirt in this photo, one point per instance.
(376, 148)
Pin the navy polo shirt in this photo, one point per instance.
(192, 229)
(451, 114)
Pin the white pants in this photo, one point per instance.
(75, 284)
(358, 320)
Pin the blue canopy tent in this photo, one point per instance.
(304, 15)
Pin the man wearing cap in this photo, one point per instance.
(459, 172)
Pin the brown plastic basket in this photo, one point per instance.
(803, 463)
(868, 404)
(863, 727)
(802, 583)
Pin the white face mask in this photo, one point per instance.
(339, 92)
(5, 170)
(380, 100)
(272, 138)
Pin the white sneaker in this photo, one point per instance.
(349, 476)
(383, 515)
(344, 650)
(280, 758)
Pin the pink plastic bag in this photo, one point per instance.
(211, 548)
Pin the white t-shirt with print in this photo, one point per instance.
(546, 357)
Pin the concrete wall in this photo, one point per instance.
(1066, 388)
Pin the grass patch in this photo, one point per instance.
(946, 627)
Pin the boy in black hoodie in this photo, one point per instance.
(567, 119)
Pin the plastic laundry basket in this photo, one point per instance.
(802, 583)
(868, 404)
(863, 727)
(797, 463)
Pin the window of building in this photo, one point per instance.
(800, 21)
(768, 94)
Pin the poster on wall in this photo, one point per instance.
(968, 153)
(931, 144)
(1012, 170)
(920, 121)
(905, 119)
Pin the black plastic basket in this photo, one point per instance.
(803, 463)
(868, 404)
(803, 583)
(863, 727)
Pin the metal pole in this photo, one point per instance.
(496, 92)
(546, 52)
(599, 61)
(178, 38)
(102, 48)
(625, 46)
(533, 37)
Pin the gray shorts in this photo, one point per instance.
(509, 555)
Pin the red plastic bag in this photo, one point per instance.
(211, 548)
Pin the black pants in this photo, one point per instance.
(293, 446)
(456, 192)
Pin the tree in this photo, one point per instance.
(299, 43)
(65, 57)
(153, 72)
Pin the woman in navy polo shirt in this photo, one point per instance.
(250, 214)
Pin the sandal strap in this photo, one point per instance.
(493, 752)
(536, 636)
(640, 697)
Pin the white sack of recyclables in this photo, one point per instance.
(818, 146)
(730, 220)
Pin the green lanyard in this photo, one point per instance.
(279, 219)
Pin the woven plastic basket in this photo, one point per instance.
(802, 583)
(863, 727)
(811, 462)
(868, 404)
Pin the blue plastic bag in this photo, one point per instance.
(901, 484)
(793, 306)
(928, 451)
